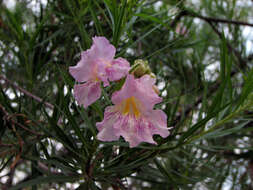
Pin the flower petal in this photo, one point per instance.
(100, 51)
(158, 122)
(106, 130)
(145, 92)
(133, 116)
(141, 89)
(114, 70)
(133, 130)
(118, 70)
(126, 91)
(83, 71)
(103, 49)
(101, 72)
(87, 93)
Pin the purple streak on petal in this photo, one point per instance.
(133, 130)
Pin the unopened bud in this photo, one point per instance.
(152, 75)
(140, 68)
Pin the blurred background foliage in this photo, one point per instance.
(202, 55)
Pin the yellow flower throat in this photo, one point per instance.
(130, 106)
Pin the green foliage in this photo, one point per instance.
(204, 71)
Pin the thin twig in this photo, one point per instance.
(242, 62)
(46, 169)
(217, 20)
(177, 18)
(8, 184)
(38, 99)
(22, 126)
(9, 117)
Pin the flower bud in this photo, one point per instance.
(140, 68)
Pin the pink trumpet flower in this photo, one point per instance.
(97, 65)
(132, 115)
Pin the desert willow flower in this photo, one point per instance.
(97, 65)
(133, 116)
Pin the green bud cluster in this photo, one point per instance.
(140, 68)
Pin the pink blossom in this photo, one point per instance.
(132, 115)
(97, 65)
